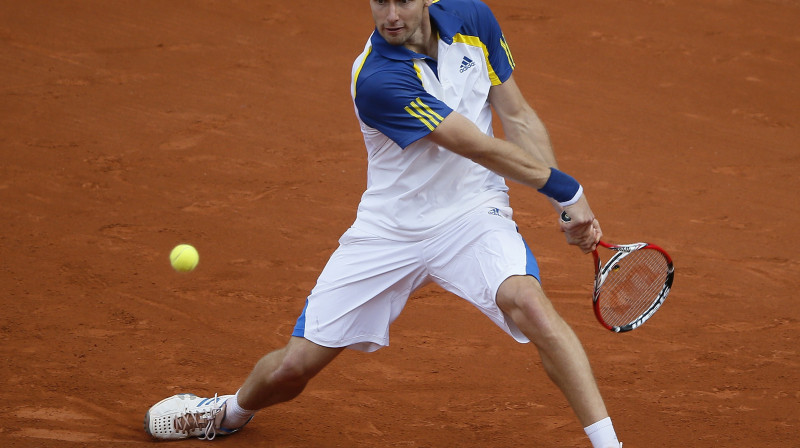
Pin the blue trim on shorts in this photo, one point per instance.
(531, 265)
(300, 327)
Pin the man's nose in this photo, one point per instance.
(392, 16)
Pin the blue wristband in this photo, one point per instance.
(562, 187)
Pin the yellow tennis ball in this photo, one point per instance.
(184, 258)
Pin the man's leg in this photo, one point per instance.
(277, 377)
(284, 373)
(563, 357)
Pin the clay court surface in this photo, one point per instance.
(127, 127)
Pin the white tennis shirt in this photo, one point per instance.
(415, 187)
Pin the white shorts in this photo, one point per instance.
(367, 281)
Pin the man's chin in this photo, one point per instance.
(394, 39)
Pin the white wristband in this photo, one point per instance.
(574, 198)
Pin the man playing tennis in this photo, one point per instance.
(436, 209)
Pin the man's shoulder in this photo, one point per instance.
(372, 61)
(374, 72)
(467, 17)
(468, 10)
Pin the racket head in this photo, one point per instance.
(632, 285)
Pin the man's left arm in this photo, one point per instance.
(459, 135)
(521, 125)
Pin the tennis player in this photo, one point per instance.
(436, 209)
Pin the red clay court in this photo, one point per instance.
(131, 126)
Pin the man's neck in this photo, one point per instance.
(427, 42)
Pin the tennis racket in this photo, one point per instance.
(632, 285)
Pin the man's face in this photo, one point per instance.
(398, 21)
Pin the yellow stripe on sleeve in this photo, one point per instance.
(420, 118)
(504, 44)
(422, 112)
(424, 108)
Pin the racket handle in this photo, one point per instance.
(565, 217)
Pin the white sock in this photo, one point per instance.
(602, 434)
(235, 415)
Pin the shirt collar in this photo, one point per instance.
(447, 24)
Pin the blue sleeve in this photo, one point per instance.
(396, 104)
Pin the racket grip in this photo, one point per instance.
(565, 217)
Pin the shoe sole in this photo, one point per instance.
(147, 424)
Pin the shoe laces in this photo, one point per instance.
(200, 418)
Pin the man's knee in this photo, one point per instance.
(302, 360)
(291, 370)
(522, 299)
(521, 292)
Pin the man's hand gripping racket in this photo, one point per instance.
(631, 286)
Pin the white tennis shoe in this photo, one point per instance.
(186, 415)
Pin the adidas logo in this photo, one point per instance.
(466, 64)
